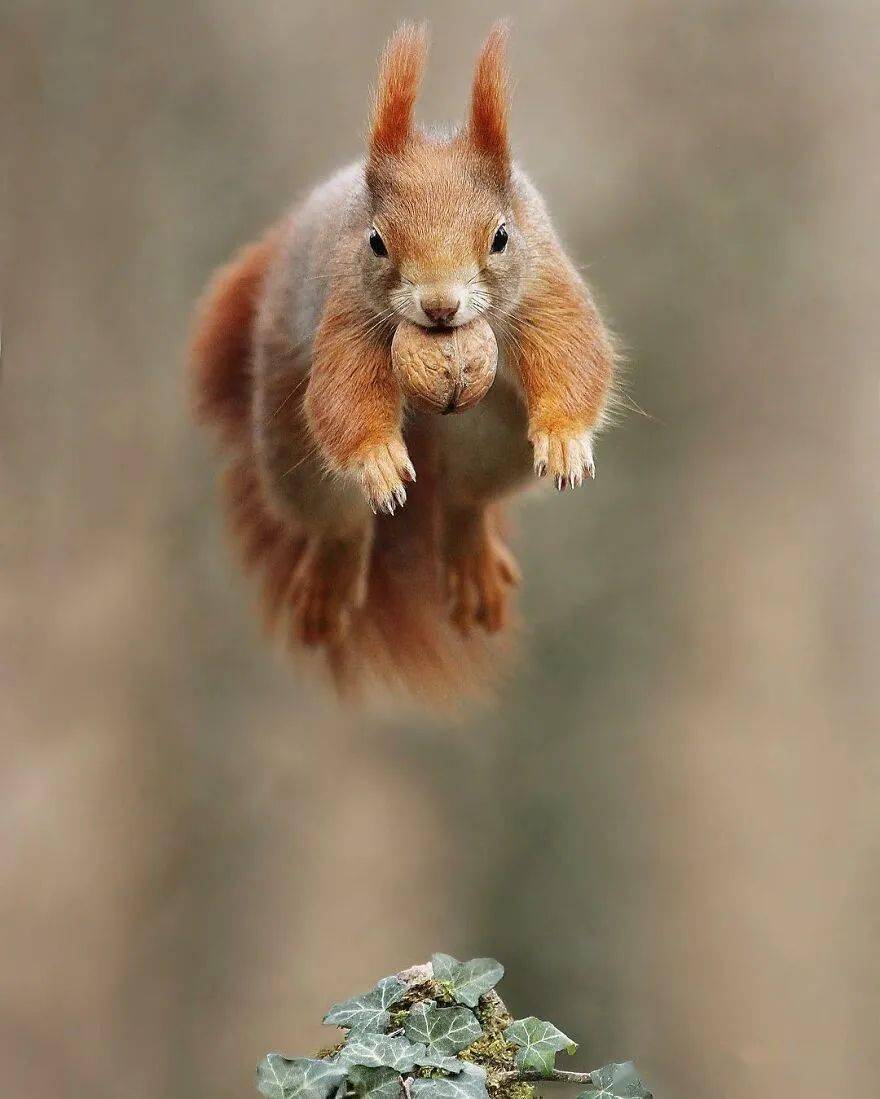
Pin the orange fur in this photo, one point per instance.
(480, 569)
(223, 339)
(400, 77)
(353, 403)
(487, 126)
(291, 362)
(401, 635)
(562, 350)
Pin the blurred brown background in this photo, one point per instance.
(669, 828)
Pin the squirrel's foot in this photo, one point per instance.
(478, 582)
(567, 456)
(330, 582)
(382, 471)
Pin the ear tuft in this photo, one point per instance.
(400, 77)
(487, 128)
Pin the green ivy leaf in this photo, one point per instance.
(539, 1043)
(616, 1081)
(368, 1012)
(469, 1084)
(467, 981)
(301, 1078)
(379, 1051)
(442, 1029)
(431, 1059)
(375, 1083)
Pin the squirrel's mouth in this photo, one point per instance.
(416, 316)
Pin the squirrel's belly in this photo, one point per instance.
(485, 451)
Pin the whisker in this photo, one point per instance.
(310, 453)
(287, 399)
(380, 321)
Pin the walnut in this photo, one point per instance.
(444, 369)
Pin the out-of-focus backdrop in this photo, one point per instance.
(668, 829)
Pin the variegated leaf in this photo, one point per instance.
(467, 981)
(368, 1012)
(444, 1030)
(430, 1059)
(538, 1042)
(279, 1077)
(380, 1051)
(375, 1083)
(616, 1081)
(470, 1083)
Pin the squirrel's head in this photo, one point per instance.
(442, 246)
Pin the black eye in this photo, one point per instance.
(377, 244)
(499, 241)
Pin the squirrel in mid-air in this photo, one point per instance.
(377, 529)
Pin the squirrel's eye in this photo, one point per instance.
(499, 241)
(377, 244)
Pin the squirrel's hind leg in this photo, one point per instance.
(480, 569)
(329, 584)
(326, 583)
(313, 574)
(329, 581)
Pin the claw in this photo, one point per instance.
(382, 472)
(566, 455)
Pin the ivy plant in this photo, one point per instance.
(538, 1043)
(620, 1081)
(438, 1031)
(443, 1029)
(370, 1011)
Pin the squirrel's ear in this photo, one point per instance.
(400, 76)
(487, 126)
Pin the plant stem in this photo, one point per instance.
(558, 1076)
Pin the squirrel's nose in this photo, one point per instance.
(440, 310)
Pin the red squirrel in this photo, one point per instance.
(377, 530)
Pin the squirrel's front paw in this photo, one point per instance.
(382, 470)
(567, 456)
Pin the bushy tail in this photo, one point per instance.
(402, 637)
